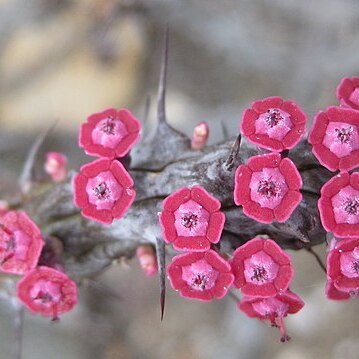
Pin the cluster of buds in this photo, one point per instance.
(104, 189)
(41, 289)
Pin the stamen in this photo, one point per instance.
(259, 274)
(189, 220)
(268, 188)
(352, 206)
(102, 191)
(199, 282)
(273, 117)
(344, 134)
(355, 266)
(109, 126)
(44, 297)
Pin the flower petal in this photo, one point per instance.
(167, 220)
(173, 201)
(291, 174)
(267, 103)
(248, 122)
(202, 197)
(215, 226)
(289, 203)
(193, 244)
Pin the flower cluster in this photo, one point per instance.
(263, 272)
(335, 140)
(268, 188)
(191, 221)
(41, 289)
(104, 189)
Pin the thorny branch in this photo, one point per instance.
(160, 164)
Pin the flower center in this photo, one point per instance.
(108, 126)
(44, 297)
(102, 191)
(199, 282)
(259, 274)
(355, 266)
(352, 206)
(273, 117)
(189, 220)
(343, 134)
(268, 188)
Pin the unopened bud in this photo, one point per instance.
(200, 136)
(147, 257)
(56, 166)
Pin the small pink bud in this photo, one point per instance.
(200, 136)
(56, 166)
(147, 257)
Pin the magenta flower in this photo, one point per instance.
(348, 92)
(335, 138)
(20, 243)
(261, 268)
(56, 166)
(274, 124)
(47, 291)
(343, 269)
(110, 133)
(339, 205)
(273, 309)
(103, 190)
(191, 219)
(202, 275)
(268, 188)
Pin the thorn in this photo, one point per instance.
(224, 130)
(161, 260)
(27, 174)
(19, 332)
(147, 108)
(233, 154)
(161, 101)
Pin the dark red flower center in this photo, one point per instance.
(102, 191)
(189, 220)
(355, 266)
(273, 117)
(344, 135)
(268, 188)
(259, 274)
(109, 126)
(44, 297)
(352, 206)
(199, 282)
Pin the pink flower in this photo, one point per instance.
(103, 190)
(274, 124)
(47, 291)
(191, 219)
(273, 309)
(147, 257)
(20, 243)
(200, 136)
(339, 205)
(335, 138)
(268, 188)
(56, 166)
(348, 92)
(202, 275)
(343, 269)
(261, 268)
(110, 133)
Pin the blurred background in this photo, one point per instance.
(62, 60)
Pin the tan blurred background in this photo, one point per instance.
(64, 59)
